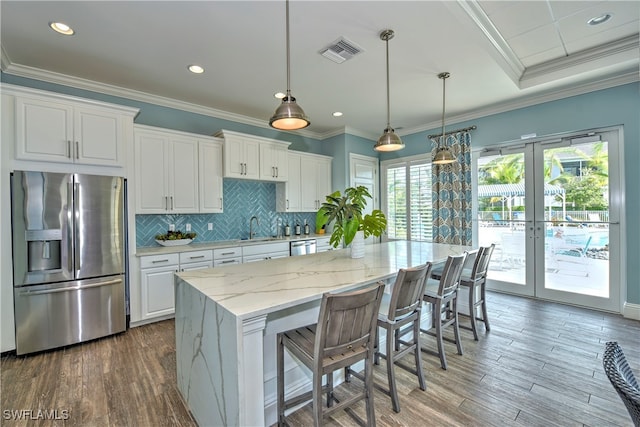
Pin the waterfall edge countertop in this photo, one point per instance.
(227, 320)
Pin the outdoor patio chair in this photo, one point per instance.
(621, 376)
(573, 259)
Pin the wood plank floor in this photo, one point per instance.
(541, 365)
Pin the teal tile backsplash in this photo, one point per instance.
(242, 200)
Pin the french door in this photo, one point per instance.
(553, 209)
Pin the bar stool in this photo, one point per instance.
(443, 296)
(343, 336)
(404, 307)
(475, 278)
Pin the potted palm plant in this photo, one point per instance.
(345, 211)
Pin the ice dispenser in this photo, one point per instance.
(43, 253)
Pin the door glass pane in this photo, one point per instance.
(421, 203)
(577, 219)
(501, 210)
(397, 202)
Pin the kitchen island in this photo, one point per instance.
(227, 319)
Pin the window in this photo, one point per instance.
(407, 200)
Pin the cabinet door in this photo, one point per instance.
(233, 158)
(281, 160)
(98, 137)
(251, 159)
(152, 195)
(323, 180)
(196, 266)
(157, 288)
(273, 162)
(210, 174)
(292, 189)
(183, 175)
(44, 130)
(308, 184)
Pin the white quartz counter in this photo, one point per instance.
(282, 283)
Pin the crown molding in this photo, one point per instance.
(4, 59)
(616, 52)
(112, 90)
(551, 95)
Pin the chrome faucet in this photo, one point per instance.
(251, 232)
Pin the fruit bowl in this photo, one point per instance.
(176, 242)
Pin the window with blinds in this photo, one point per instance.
(408, 200)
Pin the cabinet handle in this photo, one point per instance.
(172, 203)
(227, 261)
(166, 203)
(68, 148)
(276, 171)
(196, 257)
(77, 150)
(287, 203)
(159, 261)
(228, 253)
(245, 168)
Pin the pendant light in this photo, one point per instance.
(443, 155)
(289, 115)
(389, 141)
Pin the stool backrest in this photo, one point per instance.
(481, 264)
(450, 278)
(408, 290)
(347, 321)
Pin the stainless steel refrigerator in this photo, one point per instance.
(68, 258)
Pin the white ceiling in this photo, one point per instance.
(501, 55)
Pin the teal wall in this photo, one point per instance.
(609, 107)
(615, 106)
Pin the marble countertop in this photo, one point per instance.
(157, 250)
(277, 284)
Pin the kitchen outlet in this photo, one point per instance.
(172, 227)
(188, 227)
(210, 226)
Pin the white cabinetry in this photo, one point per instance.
(264, 251)
(56, 128)
(210, 175)
(322, 244)
(253, 157)
(308, 185)
(274, 164)
(196, 260)
(157, 284)
(177, 172)
(227, 256)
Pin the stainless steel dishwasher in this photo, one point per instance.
(303, 247)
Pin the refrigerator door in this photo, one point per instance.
(99, 225)
(42, 248)
(59, 314)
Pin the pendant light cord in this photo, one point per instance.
(288, 56)
(388, 97)
(444, 77)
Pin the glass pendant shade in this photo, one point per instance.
(389, 141)
(289, 115)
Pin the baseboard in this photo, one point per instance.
(148, 321)
(631, 311)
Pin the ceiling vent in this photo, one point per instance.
(341, 50)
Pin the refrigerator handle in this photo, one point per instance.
(70, 229)
(76, 219)
(70, 288)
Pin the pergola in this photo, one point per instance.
(507, 192)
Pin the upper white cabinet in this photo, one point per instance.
(274, 162)
(253, 157)
(177, 172)
(308, 185)
(56, 128)
(210, 175)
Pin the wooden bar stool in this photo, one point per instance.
(443, 296)
(402, 308)
(343, 336)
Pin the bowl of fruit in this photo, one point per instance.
(175, 238)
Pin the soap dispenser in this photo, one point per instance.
(287, 230)
(306, 228)
(297, 228)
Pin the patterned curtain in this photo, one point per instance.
(451, 192)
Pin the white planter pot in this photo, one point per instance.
(357, 245)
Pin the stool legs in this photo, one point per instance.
(280, 379)
(391, 376)
(483, 295)
(472, 310)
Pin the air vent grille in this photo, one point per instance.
(341, 50)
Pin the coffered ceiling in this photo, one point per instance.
(501, 55)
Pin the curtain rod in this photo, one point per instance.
(474, 127)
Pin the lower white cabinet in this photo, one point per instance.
(227, 256)
(197, 260)
(157, 284)
(265, 251)
(323, 245)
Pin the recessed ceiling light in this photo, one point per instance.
(279, 95)
(61, 28)
(196, 69)
(599, 19)
(337, 114)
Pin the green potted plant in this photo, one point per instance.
(346, 213)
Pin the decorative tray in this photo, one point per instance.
(177, 242)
